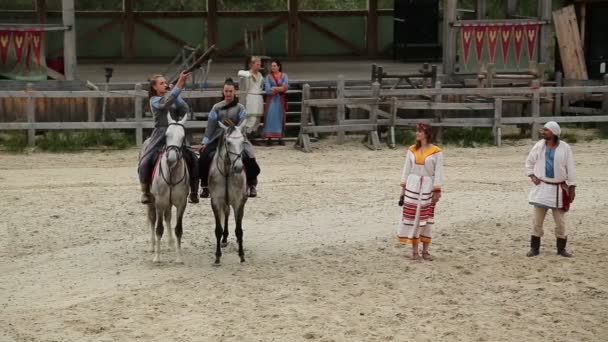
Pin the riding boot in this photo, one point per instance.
(561, 247)
(253, 192)
(193, 197)
(534, 246)
(146, 197)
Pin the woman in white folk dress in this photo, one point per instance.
(420, 191)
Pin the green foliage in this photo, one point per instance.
(13, 141)
(72, 141)
(405, 136)
(602, 130)
(468, 137)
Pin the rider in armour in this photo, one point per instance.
(230, 112)
(162, 100)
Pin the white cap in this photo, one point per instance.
(553, 127)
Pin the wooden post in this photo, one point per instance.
(374, 72)
(490, 73)
(41, 9)
(374, 139)
(304, 138)
(557, 105)
(372, 28)
(69, 39)
(379, 74)
(605, 97)
(481, 9)
(91, 108)
(211, 22)
(393, 122)
(546, 31)
(31, 116)
(535, 110)
(511, 8)
(496, 129)
(341, 114)
(292, 28)
(449, 36)
(438, 114)
(128, 48)
(139, 132)
(583, 24)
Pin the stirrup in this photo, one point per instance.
(253, 192)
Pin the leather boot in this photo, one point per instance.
(193, 197)
(534, 246)
(253, 192)
(146, 197)
(204, 192)
(561, 247)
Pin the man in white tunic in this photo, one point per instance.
(252, 80)
(550, 166)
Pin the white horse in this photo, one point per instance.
(169, 188)
(228, 187)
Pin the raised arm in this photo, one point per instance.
(161, 103)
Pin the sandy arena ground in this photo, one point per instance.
(322, 263)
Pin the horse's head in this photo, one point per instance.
(175, 137)
(233, 143)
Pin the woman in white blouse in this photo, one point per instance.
(254, 100)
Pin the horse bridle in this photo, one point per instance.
(180, 156)
(239, 156)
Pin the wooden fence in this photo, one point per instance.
(473, 99)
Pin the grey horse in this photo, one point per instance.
(169, 188)
(228, 187)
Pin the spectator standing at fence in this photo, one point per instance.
(421, 182)
(276, 85)
(254, 100)
(550, 166)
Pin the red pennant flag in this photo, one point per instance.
(37, 45)
(518, 37)
(5, 39)
(480, 34)
(18, 42)
(493, 33)
(506, 32)
(467, 37)
(531, 36)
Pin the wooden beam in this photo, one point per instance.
(41, 9)
(372, 28)
(69, 39)
(168, 36)
(239, 44)
(93, 33)
(546, 31)
(333, 36)
(481, 9)
(292, 28)
(583, 24)
(211, 22)
(511, 8)
(449, 36)
(128, 27)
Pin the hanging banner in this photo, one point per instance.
(18, 43)
(20, 48)
(467, 37)
(506, 32)
(480, 34)
(5, 39)
(532, 37)
(518, 38)
(493, 32)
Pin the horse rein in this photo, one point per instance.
(239, 156)
(180, 157)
